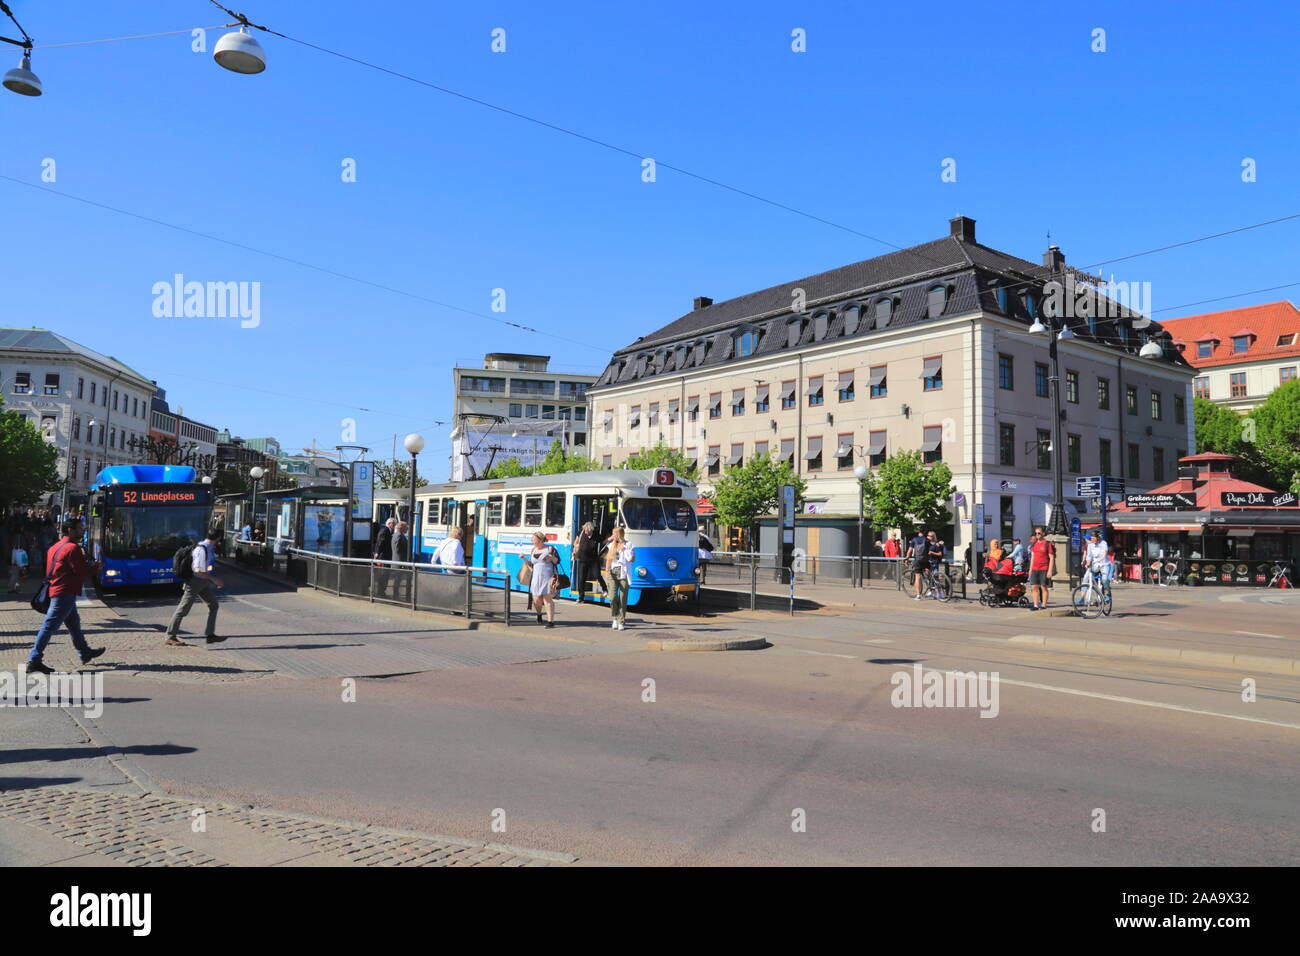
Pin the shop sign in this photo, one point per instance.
(1257, 499)
(1165, 501)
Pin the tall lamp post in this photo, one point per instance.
(256, 473)
(860, 472)
(414, 443)
(1056, 521)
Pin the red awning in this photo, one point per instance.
(704, 507)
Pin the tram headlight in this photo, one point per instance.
(672, 564)
(640, 572)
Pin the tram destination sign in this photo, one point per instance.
(1165, 501)
(1258, 499)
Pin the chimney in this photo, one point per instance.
(1054, 258)
(962, 229)
(702, 302)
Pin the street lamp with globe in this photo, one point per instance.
(414, 443)
(860, 472)
(256, 473)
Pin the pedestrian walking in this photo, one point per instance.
(200, 585)
(586, 564)
(66, 570)
(619, 561)
(543, 587)
(705, 554)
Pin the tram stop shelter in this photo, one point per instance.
(1208, 527)
(313, 518)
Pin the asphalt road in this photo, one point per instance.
(716, 768)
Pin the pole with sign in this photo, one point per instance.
(787, 536)
(362, 481)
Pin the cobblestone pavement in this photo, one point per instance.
(149, 830)
(134, 649)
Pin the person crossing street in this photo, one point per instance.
(66, 570)
(200, 585)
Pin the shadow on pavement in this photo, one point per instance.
(53, 754)
(34, 783)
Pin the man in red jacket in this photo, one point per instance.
(66, 568)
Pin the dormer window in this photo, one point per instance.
(1241, 342)
(852, 316)
(1031, 306)
(1204, 349)
(1285, 339)
(936, 300)
(884, 312)
(820, 323)
(794, 332)
(1000, 294)
(746, 342)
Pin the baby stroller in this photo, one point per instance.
(1004, 590)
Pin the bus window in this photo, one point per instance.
(555, 509)
(644, 514)
(449, 511)
(512, 510)
(494, 510)
(533, 511)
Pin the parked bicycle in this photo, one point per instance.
(1281, 577)
(936, 583)
(1092, 597)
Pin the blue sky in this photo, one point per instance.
(1113, 152)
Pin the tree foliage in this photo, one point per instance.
(661, 456)
(1219, 428)
(510, 468)
(749, 491)
(28, 464)
(1276, 433)
(396, 474)
(906, 493)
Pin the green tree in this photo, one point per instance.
(1276, 432)
(28, 464)
(747, 492)
(906, 493)
(396, 474)
(281, 482)
(1218, 428)
(557, 462)
(510, 468)
(230, 481)
(661, 456)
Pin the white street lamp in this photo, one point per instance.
(1151, 350)
(240, 53)
(414, 443)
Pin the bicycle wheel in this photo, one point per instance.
(1106, 602)
(943, 587)
(1086, 602)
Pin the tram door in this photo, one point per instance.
(473, 515)
(600, 510)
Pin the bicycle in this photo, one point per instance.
(937, 583)
(1092, 597)
(1281, 578)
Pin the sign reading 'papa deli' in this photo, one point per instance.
(1257, 499)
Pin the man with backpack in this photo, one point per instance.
(66, 568)
(195, 570)
(918, 554)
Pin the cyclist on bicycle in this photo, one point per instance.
(936, 555)
(1097, 557)
(918, 555)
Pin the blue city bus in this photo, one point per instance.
(497, 518)
(140, 515)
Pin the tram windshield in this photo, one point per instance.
(655, 514)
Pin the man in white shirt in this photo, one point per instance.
(199, 587)
(1097, 555)
(451, 552)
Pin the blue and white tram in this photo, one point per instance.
(498, 518)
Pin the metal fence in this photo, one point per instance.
(763, 575)
(479, 593)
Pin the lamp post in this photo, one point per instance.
(414, 443)
(256, 473)
(860, 472)
(1056, 522)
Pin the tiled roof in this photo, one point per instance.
(43, 340)
(1265, 322)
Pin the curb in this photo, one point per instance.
(701, 644)
(1275, 665)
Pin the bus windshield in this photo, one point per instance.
(654, 514)
(151, 532)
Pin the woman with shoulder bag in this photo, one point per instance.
(619, 562)
(543, 561)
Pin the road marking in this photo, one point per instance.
(1232, 598)
(847, 657)
(1147, 703)
(1276, 637)
(260, 607)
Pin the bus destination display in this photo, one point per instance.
(157, 495)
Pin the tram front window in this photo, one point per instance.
(653, 514)
(151, 532)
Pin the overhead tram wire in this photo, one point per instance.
(242, 19)
(299, 262)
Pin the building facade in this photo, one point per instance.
(88, 405)
(519, 388)
(928, 348)
(1240, 355)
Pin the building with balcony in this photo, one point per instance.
(90, 406)
(927, 348)
(1240, 355)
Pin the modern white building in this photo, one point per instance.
(88, 405)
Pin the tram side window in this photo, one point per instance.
(513, 509)
(533, 511)
(494, 510)
(555, 509)
(449, 511)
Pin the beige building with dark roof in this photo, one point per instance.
(926, 348)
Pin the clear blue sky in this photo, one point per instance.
(1112, 152)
